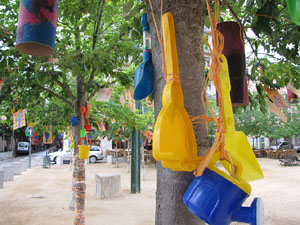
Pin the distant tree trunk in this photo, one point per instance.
(78, 178)
(189, 24)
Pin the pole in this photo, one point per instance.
(29, 161)
(135, 159)
(3, 140)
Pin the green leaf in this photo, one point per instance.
(207, 22)
(128, 6)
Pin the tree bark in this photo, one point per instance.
(189, 24)
(78, 177)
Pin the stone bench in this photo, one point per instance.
(8, 172)
(24, 164)
(108, 185)
(17, 167)
(1, 178)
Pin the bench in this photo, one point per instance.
(290, 160)
(17, 167)
(8, 172)
(108, 185)
(1, 178)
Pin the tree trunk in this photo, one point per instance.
(189, 24)
(78, 177)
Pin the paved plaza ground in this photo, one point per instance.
(41, 196)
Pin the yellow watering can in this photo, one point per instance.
(236, 142)
(174, 140)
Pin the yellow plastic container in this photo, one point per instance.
(236, 142)
(174, 140)
(84, 151)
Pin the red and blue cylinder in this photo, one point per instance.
(235, 54)
(36, 31)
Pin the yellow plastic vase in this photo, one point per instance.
(84, 151)
(174, 140)
(236, 142)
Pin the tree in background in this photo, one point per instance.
(96, 43)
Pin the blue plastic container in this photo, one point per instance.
(143, 78)
(217, 201)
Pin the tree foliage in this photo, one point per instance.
(98, 45)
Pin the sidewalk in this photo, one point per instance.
(41, 197)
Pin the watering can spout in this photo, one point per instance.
(253, 215)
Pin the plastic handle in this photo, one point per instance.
(86, 139)
(225, 95)
(168, 29)
(82, 110)
(237, 166)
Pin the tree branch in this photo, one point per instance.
(7, 32)
(92, 75)
(92, 95)
(67, 88)
(56, 95)
(66, 24)
(97, 24)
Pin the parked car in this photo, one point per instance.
(282, 145)
(297, 147)
(23, 148)
(95, 154)
(65, 154)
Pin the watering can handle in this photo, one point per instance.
(168, 30)
(225, 96)
(86, 139)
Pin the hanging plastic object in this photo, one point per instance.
(291, 88)
(84, 150)
(292, 97)
(146, 33)
(236, 142)
(36, 31)
(143, 78)
(174, 140)
(1, 83)
(294, 10)
(87, 126)
(82, 130)
(217, 197)
(235, 53)
(74, 121)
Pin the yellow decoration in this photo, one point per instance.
(84, 151)
(174, 140)
(236, 142)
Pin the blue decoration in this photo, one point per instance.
(74, 121)
(217, 201)
(143, 79)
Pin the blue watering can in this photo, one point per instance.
(143, 78)
(217, 198)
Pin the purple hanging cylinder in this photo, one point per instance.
(235, 53)
(36, 31)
